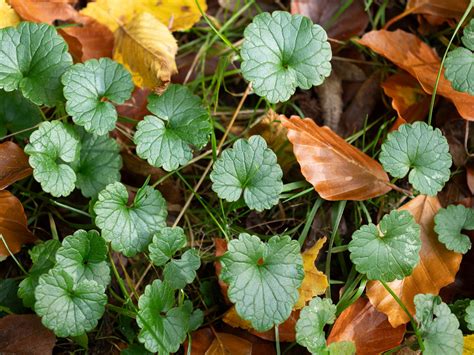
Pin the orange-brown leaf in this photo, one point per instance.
(44, 11)
(437, 267)
(315, 282)
(410, 53)
(336, 169)
(24, 334)
(13, 164)
(408, 98)
(13, 224)
(225, 343)
(369, 329)
(442, 8)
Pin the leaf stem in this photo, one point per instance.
(433, 95)
(277, 340)
(404, 308)
(13, 256)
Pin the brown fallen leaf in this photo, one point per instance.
(13, 224)
(470, 177)
(148, 49)
(369, 329)
(437, 267)
(336, 169)
(351, 22)
(315, 282)
(442, 8)
(13, 164)
(24, 334)
(410, 53)
(46, 11)
(229, 344)
(8, 17)
(408, 98)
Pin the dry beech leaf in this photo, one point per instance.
(148, 49)
(315, 282)
(336, 169)
(468, 345)
(351, 22)
(24, 334)
(46, 11)
(225, 343)
(369, 329)
(13, 164)
(408, 98)
(13, 224)
(8, 16)
(176, 15)
(410, 53)
(437, 267)
(442, 8)
(286, 330)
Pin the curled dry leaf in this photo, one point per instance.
(408, 98)
(24, 334)
(8, 17)
(442, 8)
(46, 11)
(13, 164)
(369, 329)
(13, 224)
(437, 267)
(336, 169)
(350, 23)
(315, 282)
(410, 53)
(148, 49)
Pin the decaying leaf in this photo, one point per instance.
(225, 343)
(436, 269)
(410, 53)
(442, 8)
(315, 282)
(408, 98)
(24, 334)
(13, 164)
(13, 224)
(46, 11)
(369, 329)
(176, 15)
(8, 16)
(147, 48)
(336, 169)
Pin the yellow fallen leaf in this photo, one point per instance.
(147, 49)
(8, 16)
(468, 345)
(176, 15)
(233, 319)
(315, 282)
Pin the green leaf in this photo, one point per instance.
(91, 89)
(67, 307)
(341, 348)
(313, 318)
(249, 168)
(43, 258)
(449, 222)
(99, 164)
(32, 58)
(469, 318)
(263, 278)
(163, 328)
(83, 256)
(166, 242)
(438, 326)
(281, 52)
(180, 272)
(195, 320)
(421, 149)
(17, 114)
(180, 122)
(388, 251)
(459, 63)
(53, 146)
(9, 298)
(130, 228)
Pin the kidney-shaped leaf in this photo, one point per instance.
(130, 228)
(91, 88)
(336, 169)
(281, 52)
(449, 222)
(166, 242)
(13, 164)
(388, 251)
(32, 58)
(180, 272)
(420, 150)
(251, 169)
(433, 256)
(469, 317)
(263, 278)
